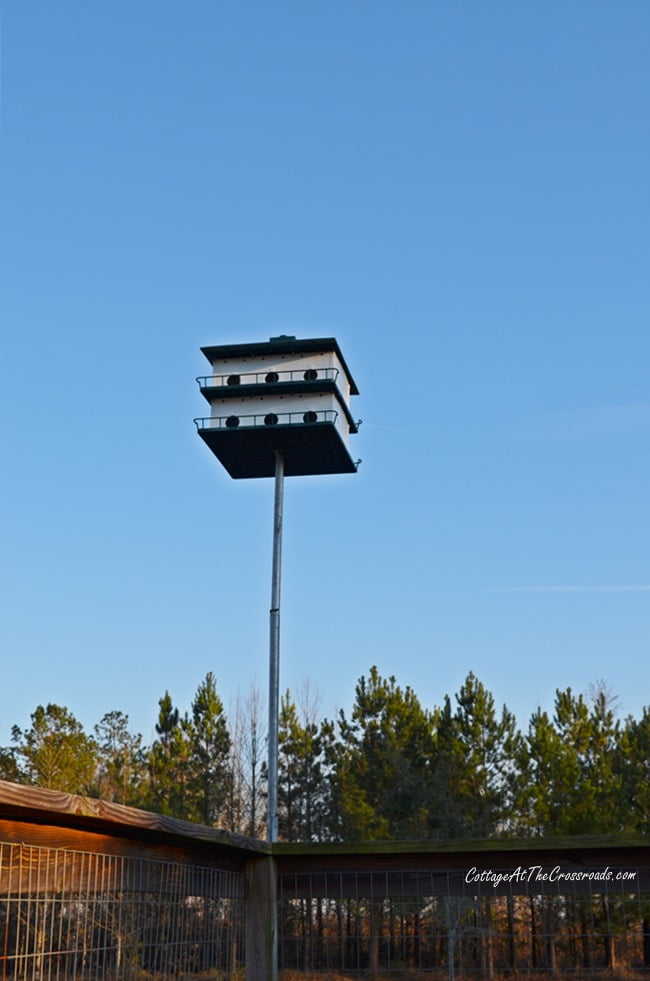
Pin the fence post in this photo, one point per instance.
(261, 920)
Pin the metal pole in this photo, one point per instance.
(274, 651)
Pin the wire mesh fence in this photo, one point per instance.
(157, 899)
(432, 923)
(67, 914)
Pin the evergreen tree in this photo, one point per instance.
(548, 773)
(9, 769)
(209, 754)
(634, 765)
(589, 739)
(475, 749)
(121, 774)
(168, 762)
(55, 752)
(571, 778)
(383, 755)
(603, 806)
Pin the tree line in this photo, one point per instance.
(390, 769)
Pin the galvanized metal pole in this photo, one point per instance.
(274, 651)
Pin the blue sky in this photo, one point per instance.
(458, 192)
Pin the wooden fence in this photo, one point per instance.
(100, 892)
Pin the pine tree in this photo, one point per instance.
(9, 769)
(571, 773)
(55, 752)
(634, 765)
(383, 763)
(168, 762)
(604, 809)
(209, 754)
(121, 773)
(548, 772)
(475, 748)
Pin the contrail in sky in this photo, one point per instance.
(635, 588)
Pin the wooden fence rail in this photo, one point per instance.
(96, 891)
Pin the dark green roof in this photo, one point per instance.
(284, 344)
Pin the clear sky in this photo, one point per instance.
(459, 193)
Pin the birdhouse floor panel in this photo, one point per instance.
(307, 448)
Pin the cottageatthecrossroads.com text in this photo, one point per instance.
(537, 873)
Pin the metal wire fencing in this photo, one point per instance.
(182, 914)
(68, 914)
(391, 923)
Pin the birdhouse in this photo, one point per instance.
(286, 396)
